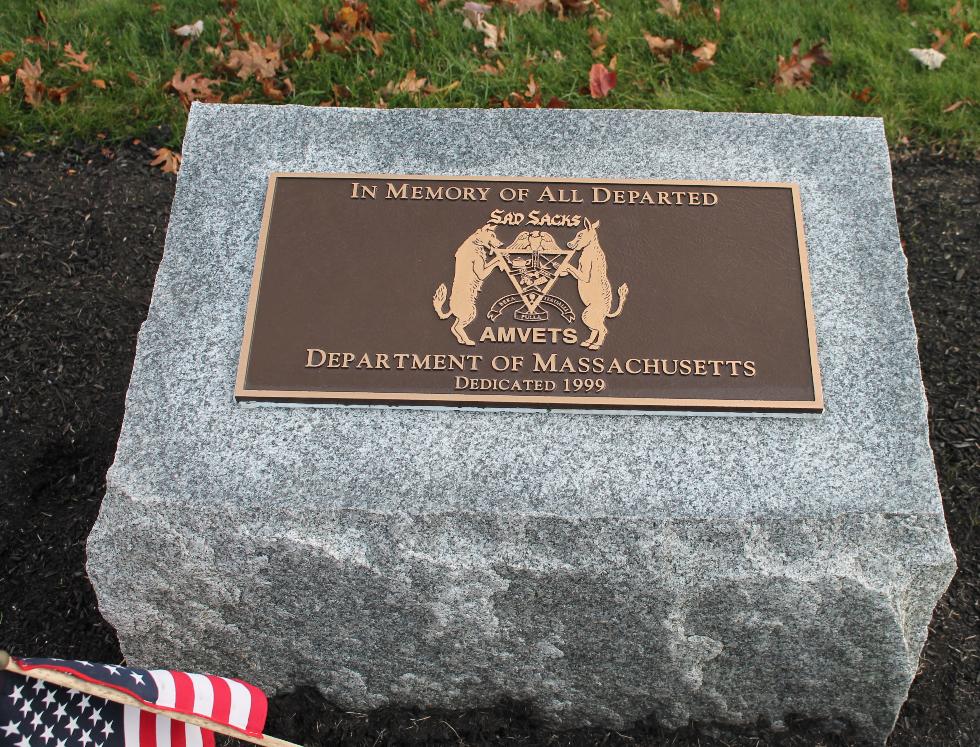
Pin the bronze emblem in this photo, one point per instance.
(710, 309)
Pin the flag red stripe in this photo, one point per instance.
(148, 729)
(257, 714)
(178, 733)
(207, 737)
(222, 700)
(184, 703)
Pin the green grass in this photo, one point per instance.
(868, 40)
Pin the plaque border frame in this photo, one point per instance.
(577, 403)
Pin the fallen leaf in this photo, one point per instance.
(931, 58)
(526, 6)
(602, 81)
(425, 5)
(957, 104)
(190, 30)
(488, 69)
(968, 39)
(29, 75)
(661, 47)
(99, 83)
(956, 9)
(277, 92)
(378, 39)
(411, 83)
(864, 95)
(195, 87)
(903, 6)
(76, 59)
(40, 41)
(167, 160)
(558, 55)
(6, 57)
(262, 62)
(156, 8)
(352, 15)
(60, 95)
(941, 38)
(42, 17)
(716, 9)
(4, 83)
(670, 8)
(704, 55)
(473, 19)
(796, 72)
(597, 41)
(556, 103)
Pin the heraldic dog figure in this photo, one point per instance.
(473, 266)
(593, 284)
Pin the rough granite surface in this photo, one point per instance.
(602, 567)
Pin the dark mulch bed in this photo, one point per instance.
(81, 233)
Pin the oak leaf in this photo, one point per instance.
(473, 19)
(167, 160)
(6, 57)
(76, 59)
(602, 81)
(377, 39)
(256, 60)
(29, 75)
(195, 87)
(797, 71)
(941, 38)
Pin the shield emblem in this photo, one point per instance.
(533, 262)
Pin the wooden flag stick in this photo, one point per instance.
(63, 679)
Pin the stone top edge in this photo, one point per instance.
(198, 106)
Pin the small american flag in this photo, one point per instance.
(34, 712)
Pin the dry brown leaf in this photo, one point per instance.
(957, 104)
(425, 5)
(661, 47)
(99, 83)
(256, 60)
(4, 83)
(864, 95)
(704, 55)
(488, 69)
(40, 41)
(378, 39)
(941, 38)
(167, 160)
(134, 77)
(903, 6)
(602, 81)
(29, 75)
(60, 95)
(42, 17)
(526, 6)
(473, 19)
(797, 72)
(6, 57)
(716, 9)
(76, 59)
(411, 83)
(968, 39)
(670, 8)
(597, 41)
(195, 87)
(156, 8)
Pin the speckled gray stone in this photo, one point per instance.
(601, 567)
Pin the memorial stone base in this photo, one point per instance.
(601, 567)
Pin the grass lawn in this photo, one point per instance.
(133, 53)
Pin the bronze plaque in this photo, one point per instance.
(537, 293)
